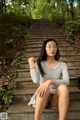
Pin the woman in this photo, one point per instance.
(53, 77)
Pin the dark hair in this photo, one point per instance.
(43, 55)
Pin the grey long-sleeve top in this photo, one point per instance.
(58, 73)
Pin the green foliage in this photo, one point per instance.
(15, 19)
(42, 10)
(72, 29)
(9, 83)
(13, 29)
(7, 97)
(10, 37)
(14, 75)
(12, 85)
(6, 94)
(56, 17)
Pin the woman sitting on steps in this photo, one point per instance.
(53, 78)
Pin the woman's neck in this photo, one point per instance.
(50, 60)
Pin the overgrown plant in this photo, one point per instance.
(13, 29)
(8, 83)
(72, 28)
(6, 95)
(56, 18)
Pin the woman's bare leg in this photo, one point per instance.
(61, 99)
(41, 102)
(54, 100)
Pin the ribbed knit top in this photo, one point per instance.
(58, 73)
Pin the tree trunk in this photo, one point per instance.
(1, 6)
(72, 10)
(62, 9)
(5, 6)
(67, 10)
(48, 1)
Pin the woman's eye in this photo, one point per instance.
(51, 46)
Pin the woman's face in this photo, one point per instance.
(51, 48)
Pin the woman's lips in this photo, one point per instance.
(52, 53)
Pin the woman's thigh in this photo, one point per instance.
(44, 99)
(61, 90)
(54, 99)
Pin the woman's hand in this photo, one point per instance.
(43, 88)
(32, 61)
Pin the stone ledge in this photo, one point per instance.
(25, 91)
(24, 108)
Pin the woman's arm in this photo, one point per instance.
(35, 75)
(65, 77)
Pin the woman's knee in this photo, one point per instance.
(63, 90)
(46, 95)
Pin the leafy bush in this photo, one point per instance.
(8, 75)
(15, 19)
(14, 36)
(6, 96)
(56, 18)
(13, 29)
(42, 10)
(72, 28)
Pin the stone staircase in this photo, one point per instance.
(39, 31)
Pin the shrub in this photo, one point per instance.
(6, 96)
(72, 28)
(42, 10)
(13, 29)
(56, 18)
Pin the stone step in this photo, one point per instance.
(21, 111)
(28, 79)
(37, 48)
(39, 41)
(44, 32)
(47, 34)
(24, 65)
(38, 45)
(44, 37)
(27, 82)
(73, 71)
(41, 30)
(69, 68)
(67, 53)
(25, 73)
(47, 29)
(73, 63)
(28, 91)
(24, 94)
(62, 58)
